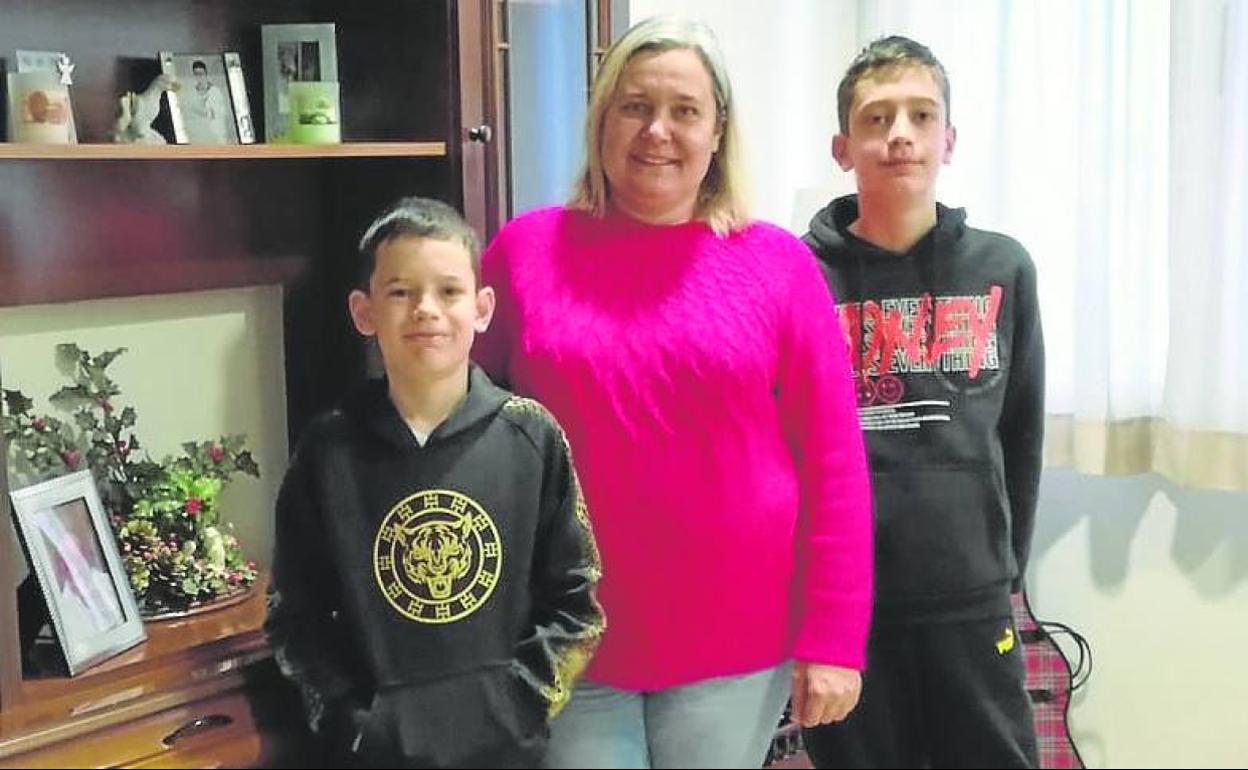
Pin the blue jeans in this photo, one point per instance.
(724, 722)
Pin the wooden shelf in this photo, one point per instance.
(128, 279)
(176, 654)
(221, 152)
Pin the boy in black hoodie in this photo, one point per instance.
(434, 570)
(943, 326)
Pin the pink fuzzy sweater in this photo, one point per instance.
(704, 386)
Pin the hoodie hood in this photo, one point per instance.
(371, 405)
(829, 235)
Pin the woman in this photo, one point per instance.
(694, 360)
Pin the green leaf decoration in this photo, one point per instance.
(165, 513)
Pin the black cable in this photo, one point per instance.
(1083, 666)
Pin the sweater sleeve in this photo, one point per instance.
(492, 349)
(309, 644)
(819, 413)
(1021, 426)
(567, 619)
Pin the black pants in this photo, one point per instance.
(944, 695)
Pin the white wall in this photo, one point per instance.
(197, 366)
(1154, 576)
(784, 64)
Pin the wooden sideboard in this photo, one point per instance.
(201, 691)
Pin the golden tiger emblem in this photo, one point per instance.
(437, 556)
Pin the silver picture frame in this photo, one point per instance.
(293, 53)
(74, 555)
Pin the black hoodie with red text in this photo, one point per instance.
(948, 355)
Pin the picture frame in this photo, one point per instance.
(200, 105)
(293, 53)
(39, 109)
(74, 555)
(56, 64)
(238, 97)
(314, 113)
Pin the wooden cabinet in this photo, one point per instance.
(99, 220)
(200, 691)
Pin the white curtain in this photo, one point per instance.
(1111, 138)
(1063, 114)
(1205, 409)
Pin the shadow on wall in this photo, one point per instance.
(1209, 526)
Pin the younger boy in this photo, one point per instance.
(944, 333)
(434, 570)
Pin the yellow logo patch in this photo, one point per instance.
(437, 556)
(1006, 642)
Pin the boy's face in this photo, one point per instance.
(898, 138)
(424, 307)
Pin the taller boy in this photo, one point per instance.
(943, 326)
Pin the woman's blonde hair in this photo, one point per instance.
(721, 198)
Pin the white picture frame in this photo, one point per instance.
(238, 97)
(54, 63)
(39, 109)
(199, 99)
(293, 53)
(74, 555)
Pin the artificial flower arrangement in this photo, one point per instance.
(177, 551)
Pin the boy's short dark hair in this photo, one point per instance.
(886, 53)
(417, 218)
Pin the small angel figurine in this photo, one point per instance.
(137, 111)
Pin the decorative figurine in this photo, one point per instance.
(137, 111)
(66, 68)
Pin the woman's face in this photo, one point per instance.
(659, 133)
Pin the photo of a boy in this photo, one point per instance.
(434, 570)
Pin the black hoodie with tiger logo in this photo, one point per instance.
(434, 603)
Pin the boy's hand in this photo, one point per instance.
(823, 693)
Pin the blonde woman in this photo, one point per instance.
(711, 416)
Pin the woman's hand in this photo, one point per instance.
(823, 693)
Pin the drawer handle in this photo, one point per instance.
(197, 725)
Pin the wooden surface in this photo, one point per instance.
(175, 653)
(188, 669)
(221, 152)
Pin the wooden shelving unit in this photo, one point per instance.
(166, 152)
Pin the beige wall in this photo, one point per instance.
(198, 366)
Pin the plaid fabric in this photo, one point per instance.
(1048, 683)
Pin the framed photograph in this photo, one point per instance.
(199, 101)
(39, 109)
(74, 556)
(293, 53)
(238, 97)
(55, 63)
(313, 115)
